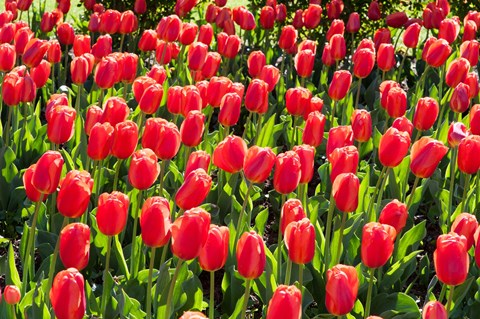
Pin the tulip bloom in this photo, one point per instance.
(393, 147)
(437, 53)
(258, 164)
(363, 63)
(341, 289)
(287, 172)
(473, 86)
(286, 302)
(434, 310)
(230, 153)
(30, 190)
(426, 113)
(386, 57)
(256, 61)
(345, 192)
(112, 213)
(296, 100)
(94, 116)
(339, 136)
(396, 104)
(256, 98)
(155, 222)
(457, 72)
(60, 125)
(106, 72)
(460, 100)
(100, 141)
(343, 160)
(426, 153)
(267, 18)
(394, 214)
(466, 224)
(449, 29)
(80, 69)
(456, 133)
(304, 61)
(228, 45)
(475, 119)
(125, 138)
(467, 160)
(377, 244)
(339, 48)
(292, 211)
(190, 233)
(34, 52)
(151, 98)
(250, 254)
(361, 125)
(7, 57)
(144, 169)
(288, 37)
(47, 172)
(300, 241)
(340, 85)
(197, 159)
(217, 88)
(75, 246)
(148, 41)
(410, 37)
(11, 294)
(270, 75)
(67, 295)
(230, 109)
(306, 153)
(191, 130)
(74, 195)
(451, 259)
(161, 136)
(214, 253)
(313, 131)
(470, 51)
(194, 189)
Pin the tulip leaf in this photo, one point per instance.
(8, 173)
(393, 305)
(118, 251)
(261, 221)
(192, 287)
(11, 273)
(411, 239)
(232, 288)
(460, 292)
(266, 135)
(395, 272)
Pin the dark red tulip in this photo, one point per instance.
(396, 19)
(382, 35)
(183, 7)
(353, 24)
(298, 19)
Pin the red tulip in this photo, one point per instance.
(313, 131)
(60, 125)
(288, 37)
(81, 44)
(109, 21)
(339, 136)
(374, 11)
(197, 159)
(396, 104)
(148, 41)
(377, 244)
(112, 213)
(162, 137)
(100, 141)
(230, 153)
(190, 233)
(457, 72)
(394, 214)
(385, 87)
(192, 127)
(270, 75)
(393, 147)
(475, 119)
(75, 246)
(410, 37)
(74, 195)
(300, 241)
(7, 57)
(155, 222)
(11, 294)
(403, 125)
(287, 172)
(396, 19)
(456, 133)
(212, 64)
(470, 51)
(144, 169)
(467, 160)
(304, 61)
(449, 29)
(334, 9)
(102, 47)
(80, 69)
(353, 24)
(382, 35)
(465, 224)
(425, 155)
(194, 189)
(341, 289)
(434, 310)
(46, 176)
(256, 98)
(32, 193)
(312, 15)
(286, 302)
(65, 33)
(361, 125)
(105, 72)
(343, 160)
(338, 47)
(128, 22)
(197, 53)
(363, 63)
(340, 85)
(292, 211)
(205, 35)
(230, 108)
(473, 86)
(281, 11)
(151, 98)
(451, 259)
(437, 52)
(94, 116)
(296, 99)
(158, 73)
(214, 253)
(250, 254)
(345, 192)
(306, 153)
(460, 100)
(67, 295)
(34, 52)
(316, 104)
(140, 6)
(267, 17)
(125, 138)
(258, 164)
(228, 45)
(426, 113)
(217, 88)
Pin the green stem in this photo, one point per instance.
(282, 70)
(149, 287)
(279, 241)
(340, 238)
(211, 301)
(121, 42)
(105, 292)
(7, 127)
(332, 115)
(242, 212)
(66, 68)
(358, 92)
(369, 293)
(288, 272)
(259, 127)
(53, 77)
(375, 192)
(170, 290)
(328, 233)
(117, 173)
(401, 66)
(453, 160)
(300, 277)
(412, 193)
(380, 194)
(465, 192)
(449, 300)
(246, 296)
(442, 105)
(442, 293)
(247, 123)
(13, 311)
(162, 174)
(98, 179)
(135, 209)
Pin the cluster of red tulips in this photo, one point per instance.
(157, 154)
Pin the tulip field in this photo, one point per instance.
(239, 159)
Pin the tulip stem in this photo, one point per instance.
(369, 293)
(332, 115)
(380, 194)
(117, 173)
(453, 160)
(465, 192)
(105, 274)
(357, 99)
(7, 127)
(449, 300)
(477, 197)
(300, 277)
(242, 212)
(442, 105)
(53, 264)
(279, 241)
(245, 298)
(187, 150)
(372, 199)
(53, 77)
(66, 68)
(247, 124)
(170, 290)
(30, 253)
(135, 208)
(259, 128)
(401, 66)
(149, 287)
(283, 56)
(340, 238)
(288, 273)
(211, 301)
(162, 174)
(328, 234)
(412, 193)
(122, 39)
(442, 293)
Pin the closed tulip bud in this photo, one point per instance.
(197, 159)
(300, 241)
(353, 24)
(148, 41)
(340, 85)
(469, 31)
(110, 21)
(256, 98)
(434, 310)
(341, 289)
(194, 189)
(144, 169)
(112, 213)
(155, 222)
(214, 253)
(426, 113)
(192, 127)
(65, 33)
(396, 19)
(60, 126)
(312, 15)
(393, 147)
(162, 137)
(472, 81)
(47, 172)
(449, 29)
(396, 104)
(230, 108)
(40, 73)
(377, 244)
(288, 37)
(403, 125)
(363, 62)
(343, 160)
(292, 211)
(460, 100)
(457, 72)
(192, 315)
(386, 57)
(250, 254)
(190, 233)
(465, 224)
(394, 214)
(256, 62)
(339, 136)
(11, 294)
(298, 19)
(140, 85)
(287, 173)
(270, 75)
(334, 9)
(128, 22)
(106, 72)
(296, 100)
(67, 295)
(211, 13)
(339, 48)
(304, 61)
(337, 27)
(456, 133)
(327, 55)
(54, 52)
(410, 37)
(34, 52)
(437, 52)
(102, 47)
(361, 125)
(286, 302)
(11, 89)
(267, 18)
(32, 193)
(426, 153)
(197, 54)
(94, 22)
(306, 153)
(281, 11)
(345, 192)
(228, 45)
(100, 141)
(7, 57)
(94, 116)
(451, 259)
(467, 162)
(475, 119)
(258, 163)
(22, 37)
(230, 154)
(382, 35)
(125, 139)
(80, 69)
(374, 11)
(151, 98)
(75, 246)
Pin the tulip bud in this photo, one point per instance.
(256, 98)
(60, 124)
(125, 138)
(140, 6)
(306, 153)
(162, 137)
(47, 172)
(465, 224)
(258, 164)
(396, 105)
(313, 131)
(287, 172)
(11, 294)
(361, 125)
(467, 160)
(363, 63)
(230, 109)
(144, 169)
(434, 310)
(100, 141)
(151, 99)
(374, 11)
(112, 213)
(288, 37)
(194, 189)
(30, 190)
(339, 136)
(190, 233)
(437, 53)
(155, 222)
(230, 153)
(214, 253)
(286, 302)
(197, 159)
(341, 289)
(74, 195)
(250, 254)
(456, 133)
(410, 37)
(457, 72)
(267, 18)
(192, 127)
(67, 295)
(451, 259)
(386, 57)
(339, 48)
(256, 61)
(345, 192)
(377, 244)
(75, 246)
(304, 61)
(300, 241)
(65, 33)
(80, 69)
(426, 113)
(353, 24)
(148, 41)
(343, 160)
(334, 9)
(340, 85)
(426, 148)
(393, 147)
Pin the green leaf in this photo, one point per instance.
(261, 220)
(12, 277)
(390, 306)
(396, 271)
(411, 239)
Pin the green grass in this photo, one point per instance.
(75, 8)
